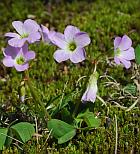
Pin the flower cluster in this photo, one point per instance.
(70, 46)
(17, 54)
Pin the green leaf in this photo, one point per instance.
(61, 130)
(8, 139)
(3, 135)
(89, 118)
(66, 137)
(137, 53)
(92, 121)
(25, 130)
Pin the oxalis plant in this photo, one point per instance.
(71, 46)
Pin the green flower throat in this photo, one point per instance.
(117, 52)
(20, 60)
(24, 35)
(72, 46)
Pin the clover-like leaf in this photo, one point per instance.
(90, 119)
(61, 130)
(3, 135)
(25, 130)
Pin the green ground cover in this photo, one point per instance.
(102, 20)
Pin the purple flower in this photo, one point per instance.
(18, 57)
(90, 93)
(123, 51)
(71, 45)
(27, 31)
(46, 34)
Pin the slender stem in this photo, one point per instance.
(35, 96)
(116, 145)
(76, 109)
(95, 67)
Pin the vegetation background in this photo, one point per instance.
(102, 20)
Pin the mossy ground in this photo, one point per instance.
(103, 20)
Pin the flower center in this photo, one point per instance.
(72, 46)
(20, 60)
(117, 52)
(24, 35)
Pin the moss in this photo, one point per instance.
(103, 20)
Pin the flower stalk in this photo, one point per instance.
(35, 97)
